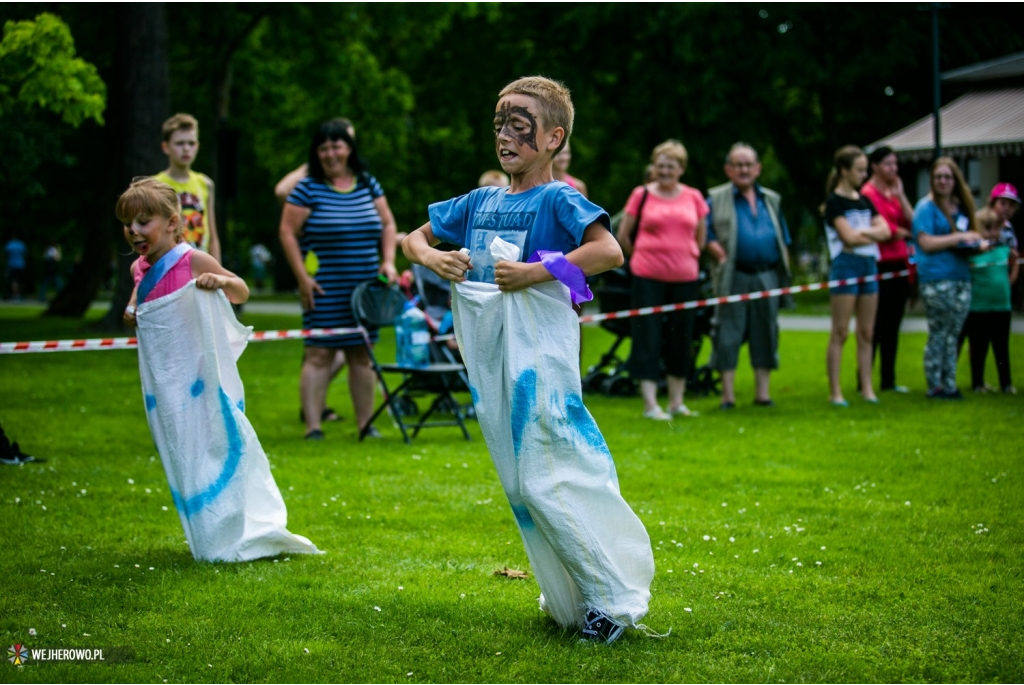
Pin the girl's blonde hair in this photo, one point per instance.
(149, 197)
(986, 219)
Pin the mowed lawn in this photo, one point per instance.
(797, 543)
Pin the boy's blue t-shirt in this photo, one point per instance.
(945, 265)
(552, 216)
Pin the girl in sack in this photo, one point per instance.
(189, 343)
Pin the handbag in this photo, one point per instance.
(639, 212)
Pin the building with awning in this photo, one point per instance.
(983, 129)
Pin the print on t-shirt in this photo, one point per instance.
(858, 214)
(192, 212)
(512, 227)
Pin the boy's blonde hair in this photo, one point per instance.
(147, 197)
(986, 218)
(553, 98)
(179, 122)
(672, 149)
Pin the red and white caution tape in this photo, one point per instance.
(262, 336)
(774, 292)
(129, 343)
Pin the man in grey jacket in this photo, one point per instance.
(747, 233)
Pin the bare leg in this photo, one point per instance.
(360, 383)
(842, 309)
(315, 377)
(867, 306)
(649, 393)
(762, 383)
(337, 364)
(676, 390)
(729, 386)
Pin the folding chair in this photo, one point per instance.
(377, 305)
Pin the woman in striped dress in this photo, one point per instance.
(331, 227)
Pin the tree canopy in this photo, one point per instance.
(419, 81)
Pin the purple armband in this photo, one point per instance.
(567, 273)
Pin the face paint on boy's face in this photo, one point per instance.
(516, 123)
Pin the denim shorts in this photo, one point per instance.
(848, 265)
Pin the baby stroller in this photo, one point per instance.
(610, 376)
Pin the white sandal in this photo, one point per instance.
(683, 410)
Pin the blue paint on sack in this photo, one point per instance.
(583, 424)
(241, 406)
(197, 387)
(524, 400)
(474, 394)
(150, 402)
(191, 506)
(523, 517)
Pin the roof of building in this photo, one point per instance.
(1001, 67)
(987, 123)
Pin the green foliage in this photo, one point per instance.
(419, 80)
(887, 497)
(38, 68)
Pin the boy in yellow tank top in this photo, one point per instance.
(195, 190)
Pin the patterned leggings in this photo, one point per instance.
(946, 305)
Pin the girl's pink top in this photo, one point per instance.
(175, 279)
(666, 244)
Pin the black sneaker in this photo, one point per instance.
(14, 456)
(954, 395)
(600, 628)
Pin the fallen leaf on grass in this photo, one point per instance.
(511, 573)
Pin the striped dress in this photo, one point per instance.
(339, 244)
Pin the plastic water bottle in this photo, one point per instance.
(412, 336)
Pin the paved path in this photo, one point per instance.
(788, 322)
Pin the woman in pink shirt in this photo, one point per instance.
(664, 249)
(885, 190)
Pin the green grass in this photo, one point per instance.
(887, 498)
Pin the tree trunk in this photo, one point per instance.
(140, 102)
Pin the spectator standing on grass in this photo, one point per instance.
(993, 273)
(195, 191)
(332, 226)
(748, 235)
(1005, 202)
(282, 190)
(669, 218)
(885, 191)
(854, 228)
(51, 271)
(944, 231)
(15, 251)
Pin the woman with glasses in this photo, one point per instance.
(945, 235)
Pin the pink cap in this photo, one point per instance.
(1006, 190)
